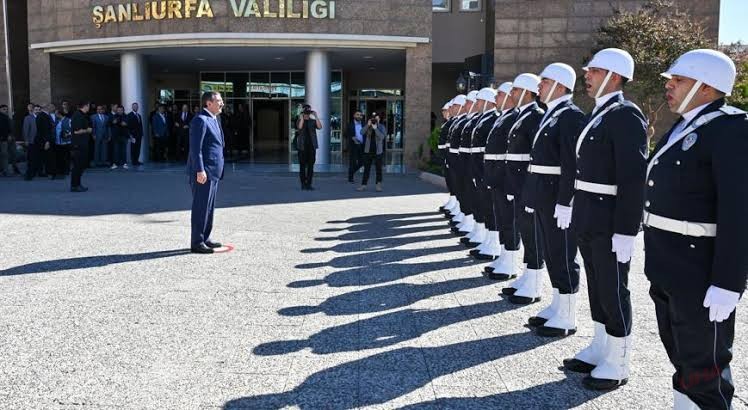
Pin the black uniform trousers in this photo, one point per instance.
(516, 225)
(448, 173)
(455, 167)
(79, 158)
(483, 205)
(307, 158)
(559, 250)
(607, 283)
(678, 267)
(467, 189)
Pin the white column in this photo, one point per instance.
(318, 96)
(134, 81)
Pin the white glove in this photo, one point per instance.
(721, 303)
(563, 216)
(475, 184)
(529, 210)
(623, 246)
(510, 198)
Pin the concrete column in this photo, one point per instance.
(134, 81)
(417, 112)
(318, 96)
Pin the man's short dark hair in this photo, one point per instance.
(208, 96)
(83, 104)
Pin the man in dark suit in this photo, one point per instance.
(355, 142)
(182, 128)
(135, 123)
(45, 134)
(205, 170)
(160, 131)
(81, 129)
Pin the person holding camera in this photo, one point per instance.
(374, 144)
(306, 143)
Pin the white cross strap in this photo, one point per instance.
(592, 122)
(548, 121)
(519, 121)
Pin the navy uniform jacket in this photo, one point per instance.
(444, 137)
(520, 142)
(206, 147)
(455, 134)
(555, 146)
(494, 171)
(466, 141)
(702, 178)
(480, 134)
(614, 152)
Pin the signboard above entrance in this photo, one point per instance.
(189, 9)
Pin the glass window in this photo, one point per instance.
(336, 83)
(281, 85)
(260, 86)
(469, 5)
(238, 84)
(298, 85)
(336, 124)
(440, 5)
(166, 96)
(212, 82)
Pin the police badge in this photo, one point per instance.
(689, 141)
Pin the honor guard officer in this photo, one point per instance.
(464, 180)
(696, 231)
(493, 176)
(459, 109)
(519, 143)
(481, 206)
(608, 204)
(443, 147)
(549, 189)
(504, 267)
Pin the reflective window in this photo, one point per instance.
(469, 5)
(281, 87)
(298, 85)
(440, 5)
(260, 85)
(238, 82)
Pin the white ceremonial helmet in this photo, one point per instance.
(447, 105)
(505, 88)
(472, 96)
(487, 94)
(526, 82)
(459, 100)
(614, 60)
(709, 67)
(560, 73)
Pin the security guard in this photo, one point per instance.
(548, 190)
(482, 209)
(519, 144)
(463, 107)
(493, 175)
(461, 136)
(502, 268)
(696, 230)
(608, 204)
(443, 148)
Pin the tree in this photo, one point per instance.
(655, 35)
(739, 54)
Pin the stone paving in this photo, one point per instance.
(332, 299)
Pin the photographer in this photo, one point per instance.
(374, 144)
(306, 143)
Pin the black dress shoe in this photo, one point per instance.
(522, 300)
(554, 331)
(202, 249)
(499, 277)
(488, 269)
(507, 291)
(536, 321)
(472, 244)
(483, 256)
(464, 240)
(213, 245)
(453, 223)
(578, 366)
(592, 383)
(78, 189)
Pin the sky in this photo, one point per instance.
(733, 17)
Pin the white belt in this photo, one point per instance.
(465, 150)
(518, 157)
(477, 150)
(682, 227)
(443, 146)
(454, 151)
(542, 169)
(595, 188)
(494, 157)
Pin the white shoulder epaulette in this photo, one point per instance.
(730, 110)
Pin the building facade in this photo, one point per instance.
(400, 58)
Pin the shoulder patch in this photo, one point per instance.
(730, 110)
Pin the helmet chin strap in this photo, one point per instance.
(521, 97)
(550, 94)
(604, 84)
(689, 97)
(503, 103)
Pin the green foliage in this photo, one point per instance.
(434, 139)
(655, 35)
(739, 54)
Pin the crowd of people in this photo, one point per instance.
(525, 165)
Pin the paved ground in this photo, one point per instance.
(332, 299)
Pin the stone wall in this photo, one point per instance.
(417, 107)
